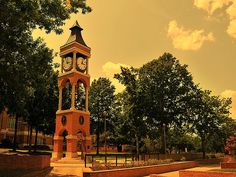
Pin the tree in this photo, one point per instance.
(134, 122)
(166, 88)
(217, 140)
(101, 98)
(119, 134)
(180, 140)
(41, 102)
(209, 113)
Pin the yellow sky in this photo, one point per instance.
(200, 33)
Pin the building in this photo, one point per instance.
(7, 125)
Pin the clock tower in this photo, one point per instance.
(72, 132)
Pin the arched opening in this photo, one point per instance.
(66, 95)
(64, 143)
(80, 96)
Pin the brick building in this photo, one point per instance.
(7, 124)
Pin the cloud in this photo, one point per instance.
(211, 5)
(231, 30)
(109, 69)
(231, 11)
(185, 39)
(231, 94)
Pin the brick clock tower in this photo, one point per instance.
(72, 132)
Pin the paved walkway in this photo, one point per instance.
(176, 173)
(72, 169)
(68, 169)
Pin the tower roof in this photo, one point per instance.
(76, 35)
(76, 25)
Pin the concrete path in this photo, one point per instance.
(176, 173)
(62, 169)
(70, 170)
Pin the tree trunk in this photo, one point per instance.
(137, 144)
(203, 147)
(163, 139)
(30, 138)
(28, 131)
(36, 139)
(15, 133)
(98, 130)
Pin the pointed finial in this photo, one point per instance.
(76, 25)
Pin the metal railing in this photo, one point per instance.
(118, 158)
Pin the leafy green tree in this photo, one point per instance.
(117, 123)
(51, 104)
(217, 141)
(101, 98)
(180, 140)
(150, 145)
(134, 122)
(122, 131)
(209, 113)
(42, 106)
(166, 88)
(41, 102)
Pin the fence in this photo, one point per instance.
(117, 159)
(113, 158)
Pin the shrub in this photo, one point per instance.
(6, 143)
(230, 146)
(96, 165)
(39, 147)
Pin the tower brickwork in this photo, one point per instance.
(73, 118)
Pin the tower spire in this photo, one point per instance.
(76, 35)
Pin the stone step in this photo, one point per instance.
(70, 161)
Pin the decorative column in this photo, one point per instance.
(87, 64)
(87, 142)
(71, 151)
(73, 96)
(86, 100)
(60, 99)
(57, 148)
(61, 65)
(74, 61)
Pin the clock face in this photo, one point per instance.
(81, 64)
(67, 63)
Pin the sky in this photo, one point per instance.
(200, 33)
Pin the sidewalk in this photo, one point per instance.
(176, 173)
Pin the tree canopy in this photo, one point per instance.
(162, 98)
(101, 98)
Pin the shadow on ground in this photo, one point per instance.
(31, 173)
